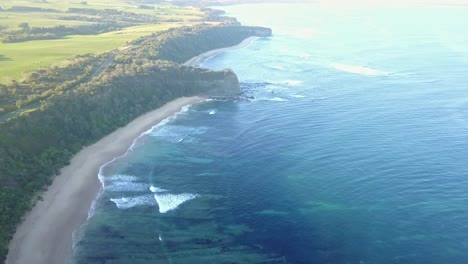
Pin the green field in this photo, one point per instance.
(63, 5)
(13, 19)
(19, 58)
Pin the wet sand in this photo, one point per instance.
(45, 235)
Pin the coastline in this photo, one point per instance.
(45, 235)
(196, 61)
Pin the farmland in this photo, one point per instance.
(117, 23)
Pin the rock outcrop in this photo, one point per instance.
(228, 86)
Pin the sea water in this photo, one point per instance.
(349, 145)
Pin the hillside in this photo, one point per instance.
(34, 145)
(39, 34)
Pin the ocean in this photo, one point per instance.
(349, 145)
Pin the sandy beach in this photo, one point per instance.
(196, 61)
(45, 236)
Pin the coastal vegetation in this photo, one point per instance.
(40, 34)
(51, 113)
(19, 59)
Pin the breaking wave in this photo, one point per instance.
(362, 70)
(129, 202)
(168, 202)
(123, 183)
(176, 134)
(156, 189)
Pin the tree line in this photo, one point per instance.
(43, 83)
(27, 33)
(105, 20)
(35, 145)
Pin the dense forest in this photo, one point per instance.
(76, 108)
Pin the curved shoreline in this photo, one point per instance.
(45, 235)
(196, 61)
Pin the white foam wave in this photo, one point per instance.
(185, 108)
(176, 134)
(212, 112)
(362, 70)
(121, 177)
(129, 202)
(160, 124)
(278, 99)
(101, 176)
(294, 82)
(182, 139)
(165, 121)
(274, 99)
(92, 208)
(168, 202)
(123, 183)
(275, 67)
(126, 187)
(298, 96)
(156, 189)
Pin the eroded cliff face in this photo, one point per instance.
(261, 31)
(211, 83)
(227, 86)
(181, 44)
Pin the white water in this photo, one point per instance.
(168, 202)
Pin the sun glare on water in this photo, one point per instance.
(396, 3)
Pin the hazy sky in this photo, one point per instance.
(395, 2)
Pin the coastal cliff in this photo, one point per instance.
(229, 86)
(225, 84)
(36, 144)
(181, 44)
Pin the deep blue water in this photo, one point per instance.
(350, 146)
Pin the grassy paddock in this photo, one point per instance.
(36, 19)
(121, 5)
(62, 5)
(19, 58)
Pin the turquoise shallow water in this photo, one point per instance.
(350, 146)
